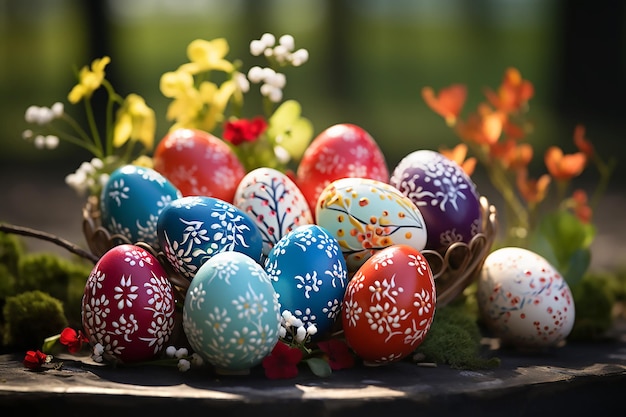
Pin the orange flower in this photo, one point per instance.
(513, 131)
(531, 190)
(581, 141)
(483, 127)
(513, 93)
(448, 103)
(512, 155)
(458, 155)
(581, 206)
(564, 167)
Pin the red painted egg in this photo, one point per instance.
(199, 164)
(128, 305)
(340, 151)
(389, 305)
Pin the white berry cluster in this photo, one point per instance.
(293, 329)
(184, 359)
(42, 116)
(282, 54)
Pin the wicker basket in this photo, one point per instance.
(453, 270)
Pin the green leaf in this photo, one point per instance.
(564, 241)
(577, 266)
(319, 367)
(49, 343)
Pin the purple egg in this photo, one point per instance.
(444, 194)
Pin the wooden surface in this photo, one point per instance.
(577, 379)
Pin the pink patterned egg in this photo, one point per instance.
(389, 305)
(198, 163)
(524, 300)
(274, 202)
(340, 151)
(128, 305)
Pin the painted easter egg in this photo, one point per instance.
(367, 215)
(132, 200)
(445, 195)
(128, 305)
(274, 202)
(389, 305)
(199, 163)
(309, 273)
(231, 314)
(524, 300)
(342, 150)
(194, 228)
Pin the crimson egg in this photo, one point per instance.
(199, 163)
(128, 305)
(340, 151)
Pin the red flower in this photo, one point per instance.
(72, 339)
(282, 363)
(244, 130)
(337, 353)
(34, 359)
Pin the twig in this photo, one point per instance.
(25, 231)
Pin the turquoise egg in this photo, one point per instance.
(367, 215)
(309, 273)
(132, 200)
(192, 229)
(231, 314)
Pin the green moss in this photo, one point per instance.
(454, 339)
(11, 249)
(594, 297)
(30, 317)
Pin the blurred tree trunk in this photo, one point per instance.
(338, 48)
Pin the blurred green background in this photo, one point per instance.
(369, 60)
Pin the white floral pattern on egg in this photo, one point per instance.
(128, 305)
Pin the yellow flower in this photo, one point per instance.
(135, 120)
(207, 55)
(89, 80)
(217, 105)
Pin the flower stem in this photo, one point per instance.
(93, 127)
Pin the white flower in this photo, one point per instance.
(97, 163)
(312, 329)
(256, 74)
(268, 40)
(271, 92)
(281, 53)
(181, 353)
(257, 47)
(196, 359)
(242, 82)
(170, 351)
(27, 134)
(281, 154)
(184, 365)
(299, 57)
(287, 41)
(32, 114)
(57, 109)
(300, 334)
(277, 80)
(51, 141)
(282, 332)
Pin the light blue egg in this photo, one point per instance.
(309, 273)
(231, 314)
(192, 229)
(132, 200)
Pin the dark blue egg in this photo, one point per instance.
(194, 228)
(309, 273)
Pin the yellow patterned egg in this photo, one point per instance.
(366, 215)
